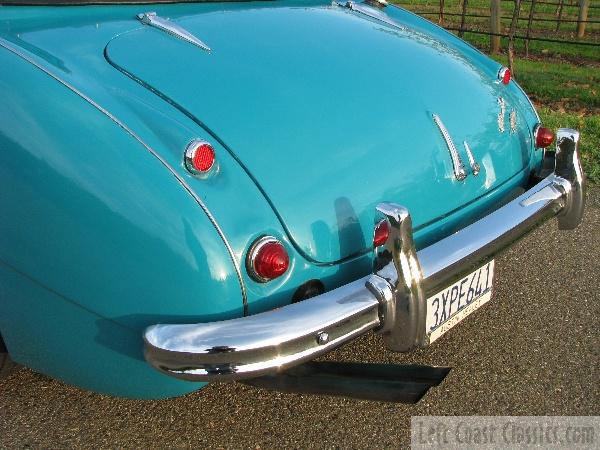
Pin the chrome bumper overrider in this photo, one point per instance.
(391, 301)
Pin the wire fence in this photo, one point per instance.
(566, 3)
(581, 13)
(429, 13)
(524, 37)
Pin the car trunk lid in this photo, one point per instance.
(332, 112)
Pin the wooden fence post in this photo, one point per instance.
(441, 18)
(495, 14)
(583, 14)
(462, 18)
(560, 13)
(529, 28)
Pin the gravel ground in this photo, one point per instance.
(533, 350)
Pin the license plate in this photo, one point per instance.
(448, 307)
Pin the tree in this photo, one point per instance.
(511, 36)
(441, 17)
(462, 18)
(529, 28)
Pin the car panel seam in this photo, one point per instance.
(198, 122)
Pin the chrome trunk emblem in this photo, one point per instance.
(475, 168)
(151, 19)
(501, 114)
(371, 11)
(459, 168)
(513, 121)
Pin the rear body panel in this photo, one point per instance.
(314, 188)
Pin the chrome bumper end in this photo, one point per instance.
(391, 301)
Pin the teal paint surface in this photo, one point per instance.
(64, 340)
(321, 98)
(316, 115)
(92, 215)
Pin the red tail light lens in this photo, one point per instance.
(543, 137)
(504, 75)
(204, 158)
(199, 157)
(382, 232)
(267, 259)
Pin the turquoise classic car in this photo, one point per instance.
(218, 191)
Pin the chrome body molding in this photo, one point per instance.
(475, 168)
(391, 301)
(153, 20)
(459, 168)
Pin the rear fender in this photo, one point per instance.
(98, 239)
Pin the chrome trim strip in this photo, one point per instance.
(371, 12)
(182, 182)
(459, 168)
(391, 301)
(153, 20)
(475, 168)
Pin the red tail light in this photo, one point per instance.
(382, 232)
(504, 75)
(199, 157)
(543, 137)
(267, 259)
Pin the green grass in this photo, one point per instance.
(561, 86)
(541, 49)
(567, 96)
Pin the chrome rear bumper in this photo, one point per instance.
(391, 301)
